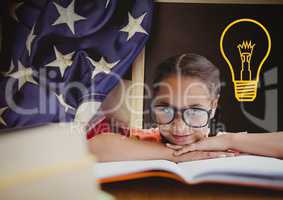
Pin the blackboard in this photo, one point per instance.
(196, 28)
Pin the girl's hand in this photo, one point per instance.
(216, 143)
(202, 155)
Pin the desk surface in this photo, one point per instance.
(163, 189)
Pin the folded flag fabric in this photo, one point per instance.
(55, 55)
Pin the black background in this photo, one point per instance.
(196, 28)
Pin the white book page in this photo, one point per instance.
(112, 169)
(241, 165)
(241, 179)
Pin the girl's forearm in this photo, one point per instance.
(269, 144)
(114, 147)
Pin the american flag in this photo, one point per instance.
(56, 54)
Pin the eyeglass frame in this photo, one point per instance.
(182, 111)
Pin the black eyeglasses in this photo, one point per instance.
(193, 117)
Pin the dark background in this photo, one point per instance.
(196, 28)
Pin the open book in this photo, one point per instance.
(242, 170)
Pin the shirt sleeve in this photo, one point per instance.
(104, 126)
(146, 134)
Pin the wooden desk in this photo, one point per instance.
(163, 189)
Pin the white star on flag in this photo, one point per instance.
(68, 16)
(30, 39)
(107, 3)
(14, 9)
(23, 75)
(11, 68)
(134, 26)
(101, 66)
(61, 61)
(2, 110)
(63, 103)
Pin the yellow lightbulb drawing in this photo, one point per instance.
(244, 85)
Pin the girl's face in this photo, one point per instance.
(183, 107)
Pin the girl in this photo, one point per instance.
(269, 144)
(186, 92)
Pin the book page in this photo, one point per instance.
(112, 169)
(241, 179)
(244, 165)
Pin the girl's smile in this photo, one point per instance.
(180, 138)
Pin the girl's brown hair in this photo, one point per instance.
(189, 64)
